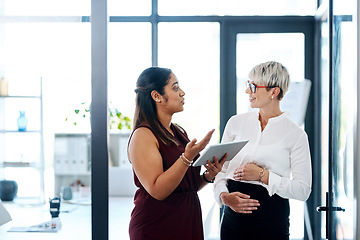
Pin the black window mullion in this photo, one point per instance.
(99, 129)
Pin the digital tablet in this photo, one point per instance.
(219, 150)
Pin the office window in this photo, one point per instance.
(129, 8)
(236, 7)
(59, 54)
(191, 50)
(344, 7)
(45, 7)
(43, 52)
(129, 53)
(343, 118)
(252, 49)
(288, 49)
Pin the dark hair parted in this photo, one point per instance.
(153, 78)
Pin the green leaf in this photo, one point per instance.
(116, 118)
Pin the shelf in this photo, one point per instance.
(16, 131)
(22, 152)
(20, 96)
(17, 164)
(74, 174)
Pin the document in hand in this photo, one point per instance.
(219, 150)
(4, 215)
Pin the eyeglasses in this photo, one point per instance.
(254, 86)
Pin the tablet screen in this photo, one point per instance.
(219, 150)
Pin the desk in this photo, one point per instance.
(76, 224)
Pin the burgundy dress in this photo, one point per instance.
(179, 215)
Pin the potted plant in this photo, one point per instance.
(119, 125)
(117, 120)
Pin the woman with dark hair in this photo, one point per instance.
(166, 204)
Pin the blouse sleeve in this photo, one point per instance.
(220, 184)
(298, 186)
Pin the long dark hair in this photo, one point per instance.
(153, 78)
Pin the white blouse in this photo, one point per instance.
(282, 148)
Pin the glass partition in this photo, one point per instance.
(57, 53)
(252, 49)
(338, 113)
(129, 53)
(237, 8)
(324, 117)
(191, 50)
(40, 60)
(46, 63)
(129, 8)
(288, 49)
(45, 7)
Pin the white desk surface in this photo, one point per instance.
(76, 225)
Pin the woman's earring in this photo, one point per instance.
(272, 97)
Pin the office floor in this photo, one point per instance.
(120, 210)
(76, 220)
(119, 217)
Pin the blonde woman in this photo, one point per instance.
(273, 167)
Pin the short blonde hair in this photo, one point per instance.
(271, 74)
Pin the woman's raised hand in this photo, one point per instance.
(192, 148)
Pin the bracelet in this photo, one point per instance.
(211, 181)
(183, 156)
(261, 174)
(186, 161)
